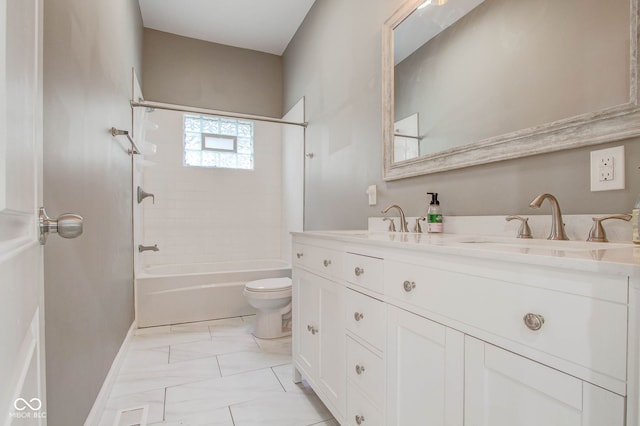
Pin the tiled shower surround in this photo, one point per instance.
(211, 214)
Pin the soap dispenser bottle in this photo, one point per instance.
(434, 214)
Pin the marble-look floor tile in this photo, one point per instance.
(216, 346)
(175, 371)
(284, 373)
(217, 417)
(135, 380)
(189, 328)
(152, 330)
(277, 346)
(286, 409)
(197, 400)
(230, 327)
(164, 339)
(239, 362)
(332, 422)
(145, 357)
(154, 400)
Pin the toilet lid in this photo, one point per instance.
(269, 284)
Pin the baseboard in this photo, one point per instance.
(101, 400)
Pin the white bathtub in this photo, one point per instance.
(174, 294)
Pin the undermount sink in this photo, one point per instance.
(558, 245)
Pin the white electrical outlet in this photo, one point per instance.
(607, 169)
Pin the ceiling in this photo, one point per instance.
(262, 25)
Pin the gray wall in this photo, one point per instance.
(197, 73)
(90, 48)
(498, 69)
(334, 61)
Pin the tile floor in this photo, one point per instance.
(210, 373)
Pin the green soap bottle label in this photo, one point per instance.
(434, 218)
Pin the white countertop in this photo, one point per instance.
(612, 257)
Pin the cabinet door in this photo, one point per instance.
(505, 389)
(305, 322)
(425, 375)
(331, 333)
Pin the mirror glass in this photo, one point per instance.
(468, 82)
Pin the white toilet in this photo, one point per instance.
(271, 298)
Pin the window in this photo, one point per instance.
(218, 142)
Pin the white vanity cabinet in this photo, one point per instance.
(318, 325)
(504, 389)
(365, 320)
(438, 334)
(425, 371)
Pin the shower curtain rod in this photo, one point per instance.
(181, 108)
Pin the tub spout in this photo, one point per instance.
(142, 248)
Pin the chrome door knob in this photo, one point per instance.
(68, 225)
(533, 321)
(409, 285)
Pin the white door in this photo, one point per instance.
(22, 383)
(505, 389)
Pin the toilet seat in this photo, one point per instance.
(269, 285)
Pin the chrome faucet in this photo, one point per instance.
(557, 226)
(403, 220)
(142, 248)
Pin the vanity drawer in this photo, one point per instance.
(318, 259)
(575, 328)
(365, 271)
(366, 318)
(361, 411)
(366, 370)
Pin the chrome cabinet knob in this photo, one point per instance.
(299, 255)
(409, 285)
(358, 316)
(533, 321)
(68, 225)
(312, 329)
(359, 369)
(359, 419)
(326, 263)
(358, 271)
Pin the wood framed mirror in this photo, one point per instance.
(499, 79)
